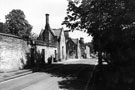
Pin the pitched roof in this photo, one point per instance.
(40, 35)
(47, 27)
(89, 44)
(75, 41)
(69, 40)
(57, 32)
(66, 33)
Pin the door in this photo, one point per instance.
(62, 52)
(56, 56)
(32, 60)
(43, 56)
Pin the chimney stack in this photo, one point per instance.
(81, 39)
(47, 18)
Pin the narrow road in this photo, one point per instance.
(71, 75)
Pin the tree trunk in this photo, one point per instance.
(99, 57)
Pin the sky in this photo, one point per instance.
(35, 11)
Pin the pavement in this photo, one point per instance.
(14, 74)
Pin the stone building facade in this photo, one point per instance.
(76, 48)
(61, 44)
(71, 49)
(54, 37)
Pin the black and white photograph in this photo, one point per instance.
(67, 44)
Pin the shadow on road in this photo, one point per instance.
(75, 76)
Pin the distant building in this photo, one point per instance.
(76, 49)
(61, 43)
(54, 37)
(67, 48)
(71, 49)
(82, 48)
(47, 35)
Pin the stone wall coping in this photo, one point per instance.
(10, 35)
(37, 42)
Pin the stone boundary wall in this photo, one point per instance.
(13, 52)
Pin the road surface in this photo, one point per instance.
(69, 75)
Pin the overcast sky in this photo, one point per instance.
(35, 11)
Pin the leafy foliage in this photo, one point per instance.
(110, 22)
(17, 24)
(33, 36)
(3, 28)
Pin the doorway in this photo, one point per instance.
(43, 56)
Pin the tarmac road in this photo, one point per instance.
(71, 75)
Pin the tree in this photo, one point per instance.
(34, 36)
(17, 24)
(3, 28)
(110, 22)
